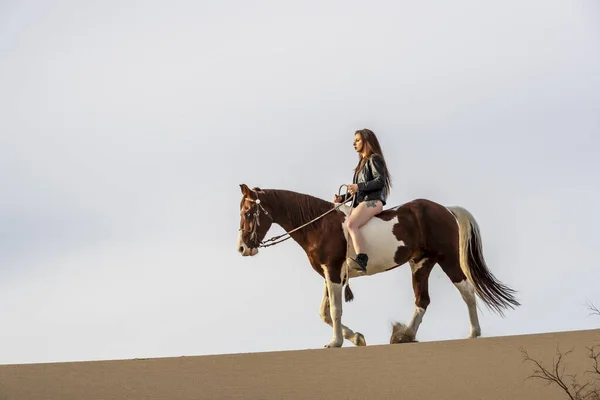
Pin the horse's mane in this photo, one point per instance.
(299, 207)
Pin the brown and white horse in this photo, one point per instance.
(420, 232)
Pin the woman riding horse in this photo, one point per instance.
(371, 186)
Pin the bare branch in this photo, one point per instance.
(544, 374)
(595, 357)
(555, 375)
(594, 310)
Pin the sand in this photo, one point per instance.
(483, 368)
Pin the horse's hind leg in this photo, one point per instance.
(420, 281)
(355, 337)
(452, 268)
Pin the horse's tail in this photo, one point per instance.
(496, 295)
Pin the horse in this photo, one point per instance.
(420, 232)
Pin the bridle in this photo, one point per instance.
(255, 220)
(276, 239)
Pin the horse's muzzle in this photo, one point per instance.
(244, 250)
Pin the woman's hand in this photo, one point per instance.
(337, 198)
(353, 189)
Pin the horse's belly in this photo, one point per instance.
(380, 244)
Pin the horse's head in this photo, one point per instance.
(255, 222)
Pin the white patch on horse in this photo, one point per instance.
(380, 244)
(335, 310)
(417, 318)
(243, 249)
(467, 292)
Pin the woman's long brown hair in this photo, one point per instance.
(372, 147)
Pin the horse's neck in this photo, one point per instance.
(285, 210)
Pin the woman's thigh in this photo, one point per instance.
(363, 212)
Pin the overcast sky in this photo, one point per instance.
(126, 128)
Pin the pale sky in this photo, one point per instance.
(126, 128)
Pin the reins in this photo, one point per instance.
(275, 240)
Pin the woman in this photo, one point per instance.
(371, 186)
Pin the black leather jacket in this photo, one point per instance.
(371, 181)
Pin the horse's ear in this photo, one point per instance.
(246, 191)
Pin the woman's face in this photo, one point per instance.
(358, 143)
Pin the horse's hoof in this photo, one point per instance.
(334, 343)
(402, 334)
(359, 339)
(474, 335)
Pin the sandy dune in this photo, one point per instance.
(484, 368)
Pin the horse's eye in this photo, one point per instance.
(248, 214)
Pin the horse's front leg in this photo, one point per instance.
(334, 290)
(333, 280)
(355, 337)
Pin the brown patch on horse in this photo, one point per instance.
(420, 281)
(300, 208)
(292, 209)
(388, 214)
(406, 230)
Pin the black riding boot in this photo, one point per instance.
(361, 261)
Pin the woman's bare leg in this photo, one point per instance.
(360, 216)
